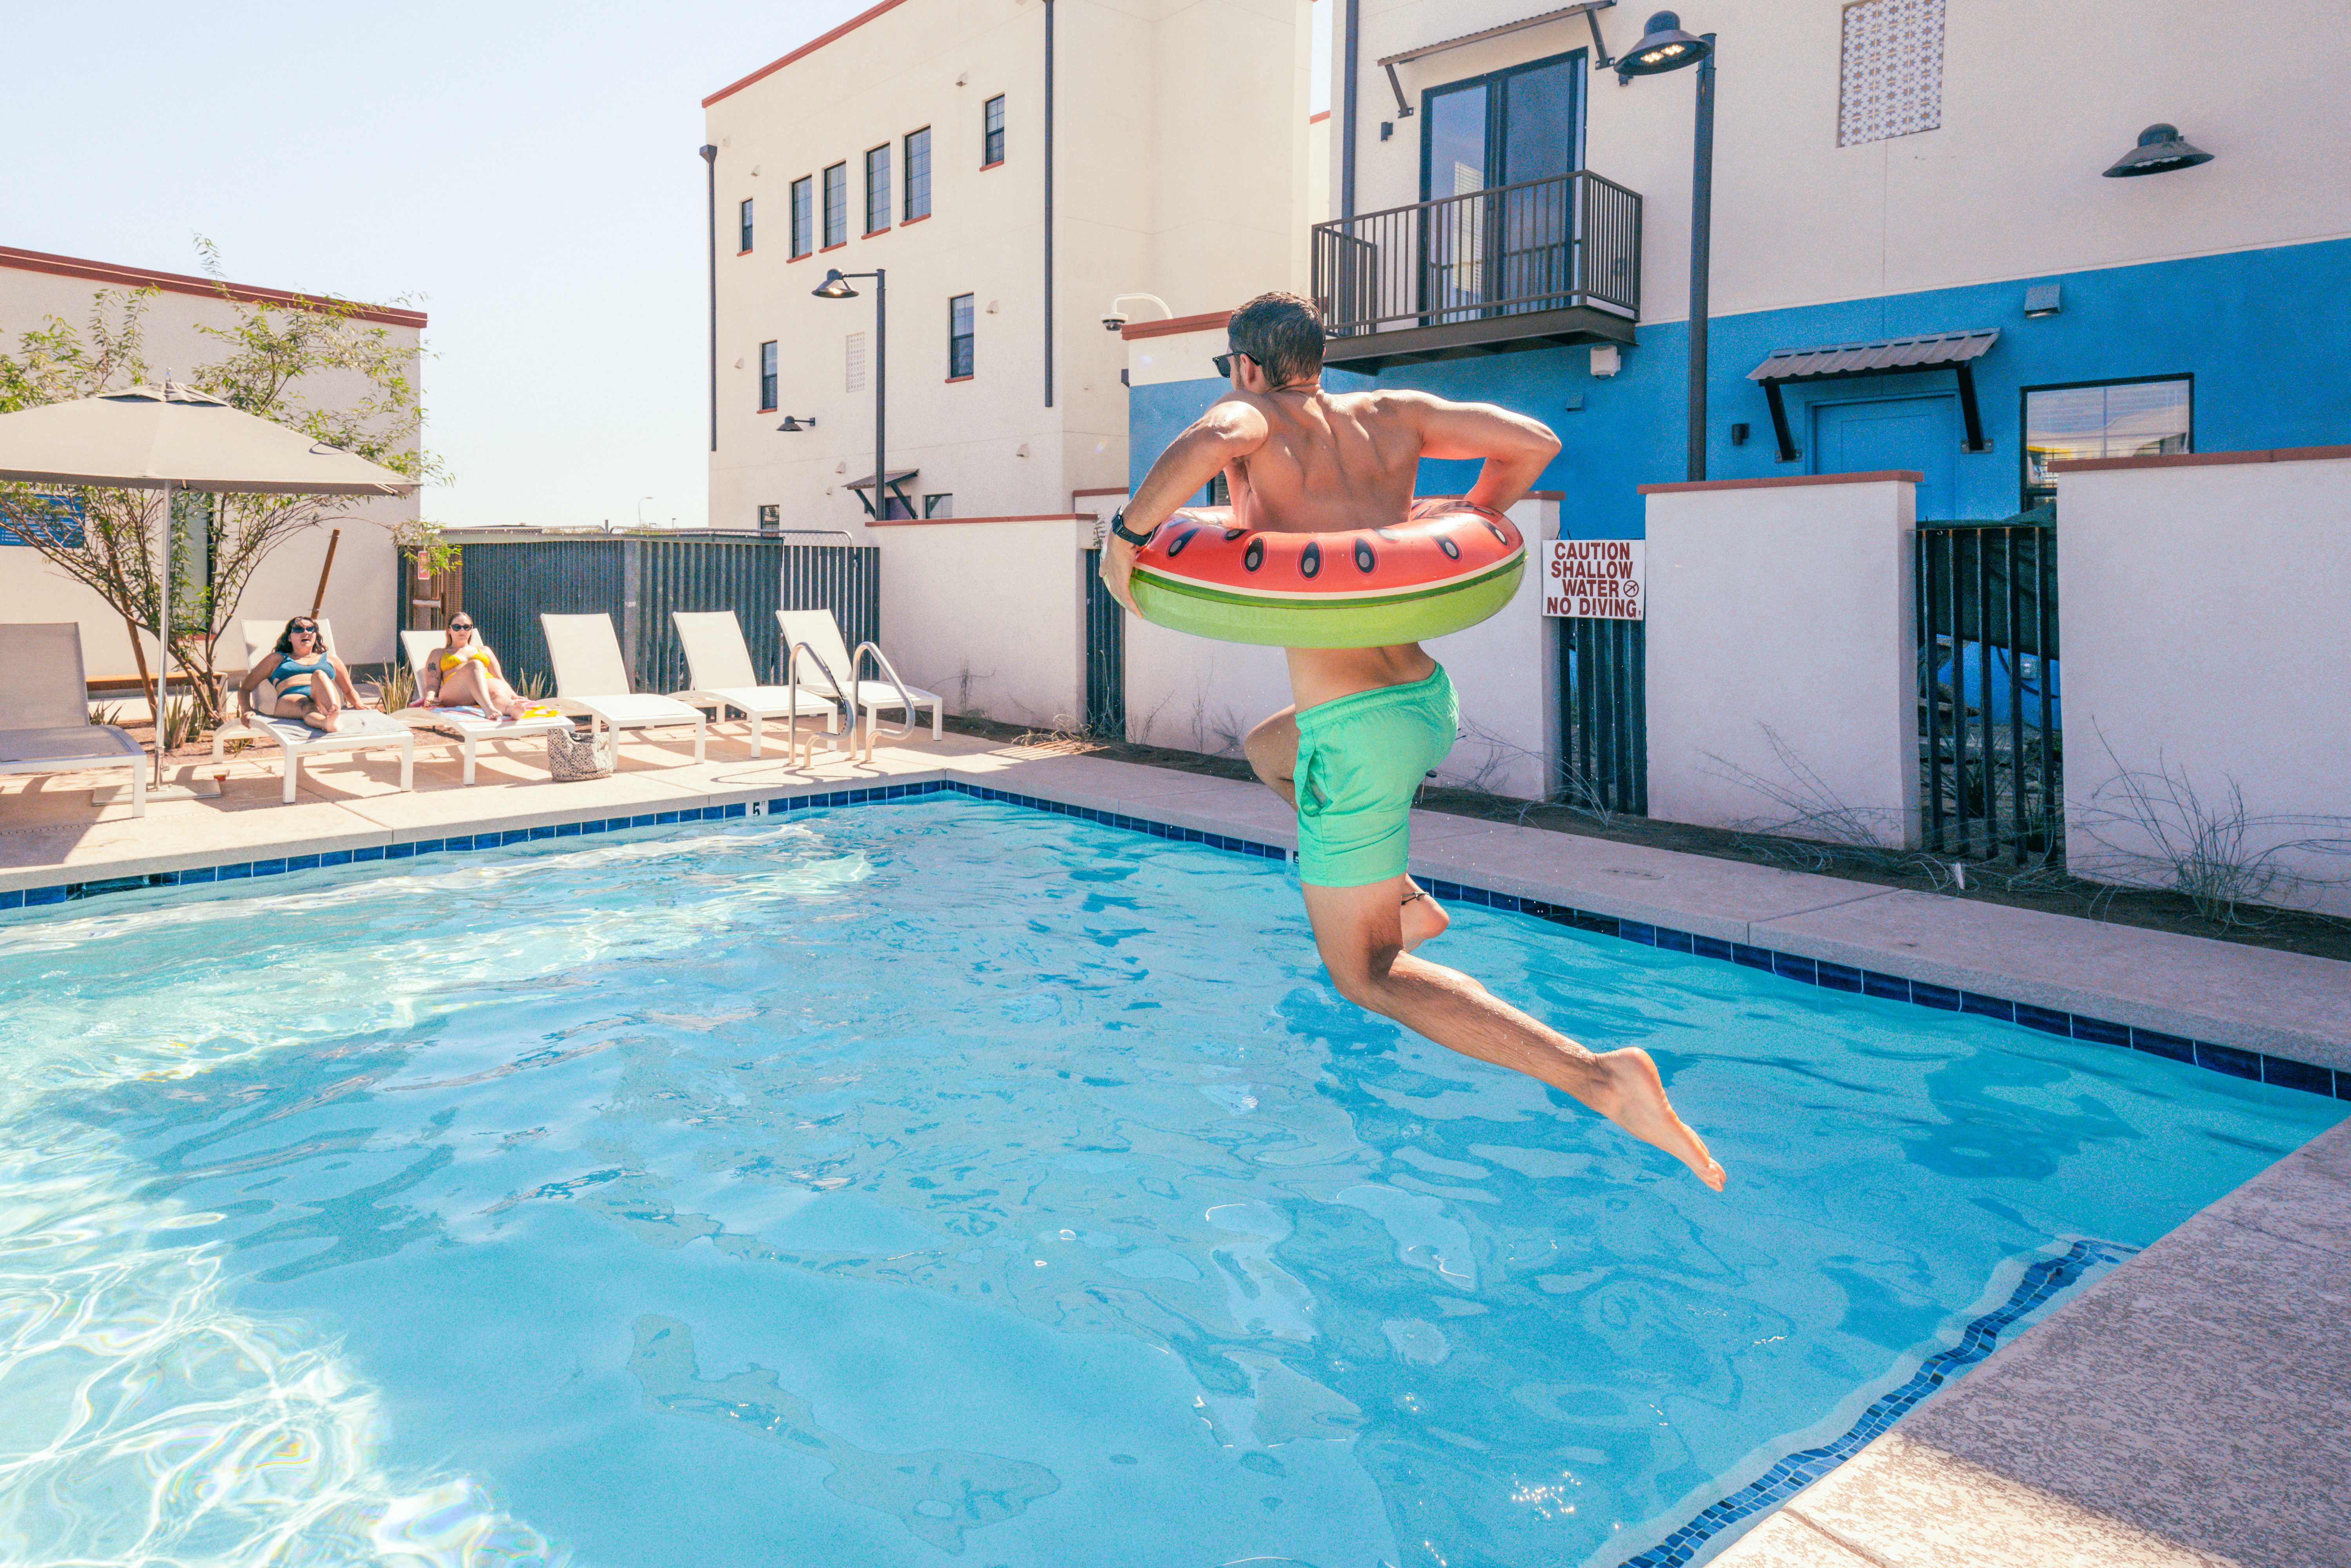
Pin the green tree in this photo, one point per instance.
(320, 370)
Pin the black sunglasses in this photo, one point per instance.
(302, 631)
(1224, 362)
(461, 626)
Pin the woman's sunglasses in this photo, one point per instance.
(301, 631)
(461, 626)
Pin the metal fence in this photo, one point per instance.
(1542, 245)
(1604, 716)
(1105, 656)
(506, 585)
(1991, 717)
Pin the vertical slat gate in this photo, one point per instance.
(1603, 716)
(1105, 656)
(1991, 732)
(639, 580)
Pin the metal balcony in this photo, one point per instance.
(1514, 266)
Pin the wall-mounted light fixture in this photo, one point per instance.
(2160, 149)
(1607, 359)
(2044, 299)
(793, 422)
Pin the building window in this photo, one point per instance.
(744, 221)
(918, 175)
(991, 133)
(1892, 79)
(939, 505)
(771, 519)
(2112, 419)
(767, 378)
(877, 190)
(855, 355)
(836, 204)
(960, 337)
(803, 214)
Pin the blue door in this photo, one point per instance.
(1863, 436)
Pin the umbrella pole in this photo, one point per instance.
(163, 635)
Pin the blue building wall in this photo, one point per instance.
(2266, 335)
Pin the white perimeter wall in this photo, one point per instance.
(2204, 615)
(1198, 695)
(1782, 608)
(990, 615)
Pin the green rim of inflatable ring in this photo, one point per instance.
(1323, 622)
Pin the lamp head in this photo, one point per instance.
(1663, 47)
(2160, 149)
(834, 286)
(709, 153)
(793, 422)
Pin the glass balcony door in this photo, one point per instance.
(1512, 251)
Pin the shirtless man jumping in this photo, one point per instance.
(1366, 724)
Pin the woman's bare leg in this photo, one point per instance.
(470, 682)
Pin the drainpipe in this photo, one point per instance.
(710, 162)
(1049, 204)
(1347, 125)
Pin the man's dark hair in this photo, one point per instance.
(1282, 333)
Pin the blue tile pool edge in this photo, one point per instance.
(2234, 1060)
(2042, 1282)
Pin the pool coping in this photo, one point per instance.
(1204, 808)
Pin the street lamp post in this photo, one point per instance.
(1666, 48)
(836, 286)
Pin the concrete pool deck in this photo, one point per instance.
(2187, 1409)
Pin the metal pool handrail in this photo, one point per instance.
(905, 699)
(792, 685)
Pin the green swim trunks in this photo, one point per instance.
(1360, 760)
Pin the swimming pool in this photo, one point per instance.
(942, 1182)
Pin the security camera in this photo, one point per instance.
(1114, 321)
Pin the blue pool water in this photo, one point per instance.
(944, 1183)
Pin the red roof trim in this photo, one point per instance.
(182, 283)
(772, 66)
(1213, 319)
(2200, 459)
(1877, 477)
(1317, 117)
(941, 522)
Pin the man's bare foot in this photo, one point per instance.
(1637, 1104)
(1424, 917)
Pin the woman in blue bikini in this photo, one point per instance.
(313, 686)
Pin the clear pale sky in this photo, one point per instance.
(522, 171)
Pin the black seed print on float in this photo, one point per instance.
(1364, 559)
(1452, 551)
(1232, 534)
(1253, 557)
(1175, 546)
(1499, 537)
(1309, 560)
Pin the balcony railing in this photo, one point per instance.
(1570, 242)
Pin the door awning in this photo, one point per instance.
(897, 498)
(1587, 9)
(1954, 351)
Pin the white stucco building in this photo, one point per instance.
(927, 138)
(361, 594)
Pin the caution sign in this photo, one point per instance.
(1598, 578)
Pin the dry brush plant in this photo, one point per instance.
(274, 360)
(2234, 866)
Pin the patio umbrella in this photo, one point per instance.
(170, 438)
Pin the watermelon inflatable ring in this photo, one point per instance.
(1447, 566)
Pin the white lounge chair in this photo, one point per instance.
(719, 663)
(591, 677)
(422, 648)
(821, 634)
(362, 729)
(44, 711)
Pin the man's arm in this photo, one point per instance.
(1516, 448)
(1225, 435)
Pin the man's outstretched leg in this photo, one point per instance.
(1272, 752)
(1359, 932)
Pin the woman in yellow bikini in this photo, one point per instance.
(466, 672)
